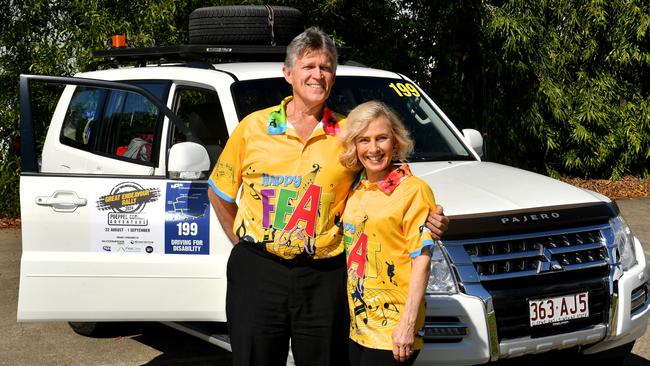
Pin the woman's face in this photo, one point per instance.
(375, 146)
(311, 78)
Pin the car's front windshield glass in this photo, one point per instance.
(434, 141)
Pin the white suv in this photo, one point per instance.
(116, 224)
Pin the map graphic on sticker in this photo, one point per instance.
(193, 205)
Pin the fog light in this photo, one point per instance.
(441, 331)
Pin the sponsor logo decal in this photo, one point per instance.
(126, 201)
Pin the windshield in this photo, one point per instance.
(434, 141)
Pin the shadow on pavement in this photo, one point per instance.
(176, 348)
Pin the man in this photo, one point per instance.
(286, 273)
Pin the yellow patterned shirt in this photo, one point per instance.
(383, 228)
(292, 191)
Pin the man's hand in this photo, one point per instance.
(437, 222)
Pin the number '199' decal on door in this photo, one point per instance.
(187, 218)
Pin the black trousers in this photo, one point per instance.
(364, 356)
(271, 301)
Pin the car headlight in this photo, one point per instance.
(441, 279)
(624, 241)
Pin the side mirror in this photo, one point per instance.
(187, 160)
(475, 140)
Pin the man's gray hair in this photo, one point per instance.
(312, 39)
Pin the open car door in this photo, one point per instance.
(116, 247)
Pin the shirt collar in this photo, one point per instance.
(390, 181)
(277, 123)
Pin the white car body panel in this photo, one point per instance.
(464, 188)
(67, 275)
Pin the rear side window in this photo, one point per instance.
(115, 123)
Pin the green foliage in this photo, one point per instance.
(57, 38)
(572, 81)
(558, 86)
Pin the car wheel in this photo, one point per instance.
(611, 357)
(88, 329)
(242, 24)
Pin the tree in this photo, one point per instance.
(570, 84)
(57, 38)
(557, 86)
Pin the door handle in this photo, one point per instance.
(62, 201)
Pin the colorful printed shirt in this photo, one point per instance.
(383, 228)
(292, 191)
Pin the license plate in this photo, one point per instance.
(558, 309)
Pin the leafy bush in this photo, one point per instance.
(9, 182)
(571, 79)
(560, 87)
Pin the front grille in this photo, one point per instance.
(528, 256)
(518, 268)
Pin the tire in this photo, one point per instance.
(241, 24)
(88, 329)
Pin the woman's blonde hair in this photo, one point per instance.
(359, 118)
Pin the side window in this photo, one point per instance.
(253, 95)
(79, 124)
(131, 125)
(201, 112)
(115, 123)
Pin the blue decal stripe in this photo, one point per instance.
(425, 244)
(216, 190)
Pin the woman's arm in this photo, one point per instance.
(404, 333)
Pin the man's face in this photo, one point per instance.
(311, 78)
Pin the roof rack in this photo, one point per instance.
(194, 53)
(189, 52)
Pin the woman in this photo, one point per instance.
(388, 250)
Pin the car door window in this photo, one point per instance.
(202, 114)
(115, 123)
(79, 122)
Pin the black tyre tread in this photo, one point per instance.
(233, 11)
(88, 329)
(241, 24)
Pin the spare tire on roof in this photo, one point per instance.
(245, 24)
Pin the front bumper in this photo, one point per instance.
(626, 325)
(629, 319)
(461, 311)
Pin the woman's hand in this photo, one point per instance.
(403, 338)
(404, 333)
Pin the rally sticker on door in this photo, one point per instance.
(187, 218)
(125, 219)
